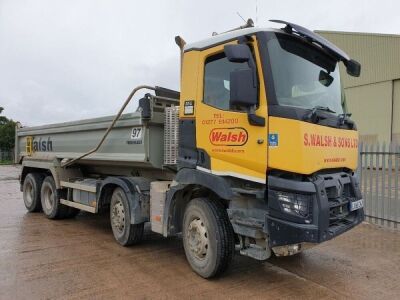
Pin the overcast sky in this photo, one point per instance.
(63, 60)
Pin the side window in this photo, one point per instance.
(216, 80)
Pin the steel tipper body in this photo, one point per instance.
(259, 151)
(133, 142)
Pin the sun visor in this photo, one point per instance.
(313, 37)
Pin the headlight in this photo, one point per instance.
(295, 204)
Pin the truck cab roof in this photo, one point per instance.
(225, 37)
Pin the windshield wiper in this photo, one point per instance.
(313, 116)
(344, 119)
(324, 108)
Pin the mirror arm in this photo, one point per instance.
(254, 119)
(252, 66)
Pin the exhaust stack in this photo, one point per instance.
(181, 44)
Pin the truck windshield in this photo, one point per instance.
(304, 76)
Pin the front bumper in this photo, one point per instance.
(328, 215)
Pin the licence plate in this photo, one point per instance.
(356, 204)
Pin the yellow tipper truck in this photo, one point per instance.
(256, 152)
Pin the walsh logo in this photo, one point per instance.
(235, 136)
(42, 145)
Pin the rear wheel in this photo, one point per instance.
(31, 191)
(52, 208)
(124, 232)
(208, 237)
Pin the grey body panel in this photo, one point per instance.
(69, 140)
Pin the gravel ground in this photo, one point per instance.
(78, 258)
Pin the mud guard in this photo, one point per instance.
(185, 177)
(217, 184)
(137, 190)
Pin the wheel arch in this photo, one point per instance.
(49, 168)
(192, 184)
(27, 170)
(137, 191)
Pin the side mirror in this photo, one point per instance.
(237, 53)
(353, 68)
(324, 78)
(243, 92)
(243, 82)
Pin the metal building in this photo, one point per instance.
(374, 97)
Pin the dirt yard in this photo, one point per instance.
(78, 258)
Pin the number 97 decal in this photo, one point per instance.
(136, 133)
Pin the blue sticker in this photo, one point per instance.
(273, 139)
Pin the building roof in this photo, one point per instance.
(378, 54)
(374, 34)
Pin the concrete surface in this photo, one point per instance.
(78, 258)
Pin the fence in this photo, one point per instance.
(380, 181)
(6, 155)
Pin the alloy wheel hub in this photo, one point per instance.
(29, 194)
(48, 199)
(198, 238)
(118, 216)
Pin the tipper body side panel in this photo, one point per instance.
(131, 143)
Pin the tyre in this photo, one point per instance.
(31, 191)
(124, 232)
(208, 237)
(51, 206)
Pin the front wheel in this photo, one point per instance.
(124, 232)
(208, 237)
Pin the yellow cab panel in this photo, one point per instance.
(235, 147)
(305, 148)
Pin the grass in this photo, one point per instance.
(6, 162)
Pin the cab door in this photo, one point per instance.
(234, 146)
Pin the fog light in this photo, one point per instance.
(296, 204)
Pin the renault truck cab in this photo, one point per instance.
(264, 109)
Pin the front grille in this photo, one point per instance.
(339, 191)
(338, 209)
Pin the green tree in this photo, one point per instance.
(7, 132)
